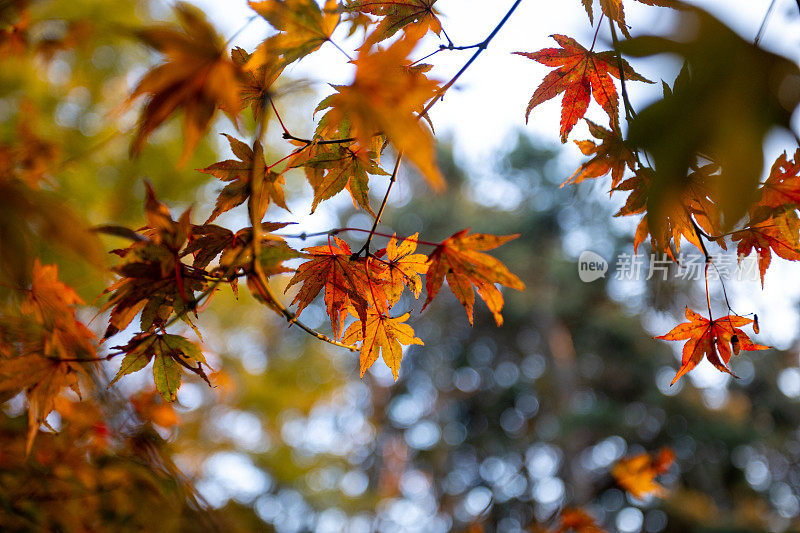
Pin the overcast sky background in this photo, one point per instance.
(485, 109)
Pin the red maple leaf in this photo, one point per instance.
(715, 339)
(581, 74)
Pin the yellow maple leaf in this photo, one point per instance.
(637, 474)
(381, 334)
(302, 26)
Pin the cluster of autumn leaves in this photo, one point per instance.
(172, 266)
(700, 182)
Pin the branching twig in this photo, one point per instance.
(265, 291)
(303, 236)
(480, 48)
(377, 221)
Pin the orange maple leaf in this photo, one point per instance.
(348, 281)
(332, 168)
(381, 334)
(303, 28)
(613, 10)
(779, 234)
(238, 174)
(637, 474)
(256, 84)
(782, 187)
(397, 14)
(610, 155)
(581, 74)
(459, 259)
(572, 520)
(674, 221)
(197, 76)
(38, 354)
(387, 97)
(713, 339)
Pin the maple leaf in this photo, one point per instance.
(611, 155)
(614, 10)
(302, 27)
(256, 84)
(380, 334)
(723, 110)
(169, 353)
(238, 174)
(209, 241)
(782, 187)
(674, 220)
(32, 348)
(403, 268)
(572, 520)
(348, 281)
(153, 278)
(581, 74)
(397, 14)
(637, 474)
(459, 259)
(196, 76)
(779, 233)
(710, 338)
(336, 167)
(387, 97)
(149, 407)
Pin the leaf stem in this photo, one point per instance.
(278, 116)
(265, 291)
(336, 231)
(287, 135)
(348, 56)
(378, 217)
(597, 31)
(629, 111)
(764, 22)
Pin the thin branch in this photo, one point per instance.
(480, 48)
(265, 291)
(287, 135)
(261, 282)
(764, 22)
(597, 31)
(629, 111)
(378, 217)
(303, 236)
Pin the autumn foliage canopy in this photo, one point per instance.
(688, 174)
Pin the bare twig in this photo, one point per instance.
(377, 221)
